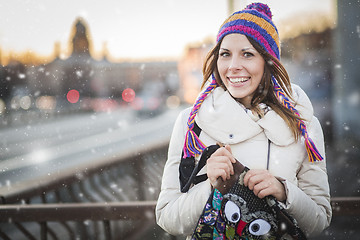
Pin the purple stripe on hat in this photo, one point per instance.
(251, 33)
(263, 32)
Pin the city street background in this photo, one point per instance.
(81, 80)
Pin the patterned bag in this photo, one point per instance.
(233, 211)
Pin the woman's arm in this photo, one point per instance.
(176, 212)
(309, 201)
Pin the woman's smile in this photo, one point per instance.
(236, 80)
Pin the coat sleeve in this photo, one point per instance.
(177, 212)
(309, 200)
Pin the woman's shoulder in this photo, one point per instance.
(184, 114)
(182, 119)
(298, 92)
(302, 102)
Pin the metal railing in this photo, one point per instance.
(110, 200)
(81, 213)
(107, 198)
(142, 211)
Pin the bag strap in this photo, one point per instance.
(187, 169)
(194, 179)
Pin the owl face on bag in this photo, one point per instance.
(230, 216)
(244, 222)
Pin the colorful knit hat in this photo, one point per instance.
(254, 21)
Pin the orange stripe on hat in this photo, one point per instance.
(258, 21)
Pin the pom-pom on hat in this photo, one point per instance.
(254, 21)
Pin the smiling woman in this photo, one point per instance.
(249, 106)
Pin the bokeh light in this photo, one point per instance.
(15, 103)
(46, 103)
(137, 104)
(128, 95)
(25, 102)
(173, 102)
(73, 96)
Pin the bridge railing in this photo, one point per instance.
(109, 198)
(142, 211)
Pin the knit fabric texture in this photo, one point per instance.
(254, 21)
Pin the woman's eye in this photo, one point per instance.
(224, 54)
(248, 54)
(232, 212)
(259, 227)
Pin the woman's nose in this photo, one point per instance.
(235, 64)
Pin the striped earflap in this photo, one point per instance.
(193, 146)
(311, 149)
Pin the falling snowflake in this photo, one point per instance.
(151, 190)
(79, 73)
(21, 75)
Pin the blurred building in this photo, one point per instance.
(190, 69)
(91, 78)
(308, 58)
(346, 88)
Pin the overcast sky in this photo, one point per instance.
(132, 28)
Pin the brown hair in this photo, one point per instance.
(264, 93)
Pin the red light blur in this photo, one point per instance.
(137, 104)
(128, 95)
(73, 96)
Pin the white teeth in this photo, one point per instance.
(237, 80)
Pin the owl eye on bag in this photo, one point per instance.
(232, 212)
(259, 227)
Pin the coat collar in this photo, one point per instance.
(227, 121)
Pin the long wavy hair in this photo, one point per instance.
(265, 91)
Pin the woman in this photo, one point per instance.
(265, 123)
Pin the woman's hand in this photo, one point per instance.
(263, 184)
(220, 164)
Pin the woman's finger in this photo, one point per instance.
(228, 148)
(253, 176)
(225, 151)
(220, 162)
(263, 183)
(224, 159)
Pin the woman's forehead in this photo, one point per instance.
(236, 41)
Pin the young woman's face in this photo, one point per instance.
(240, 67)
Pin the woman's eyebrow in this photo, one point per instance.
(247, 48)
(243, 50)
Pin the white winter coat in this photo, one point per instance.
(224, 120)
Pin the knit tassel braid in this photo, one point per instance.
(311, 149)
(193, 146)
